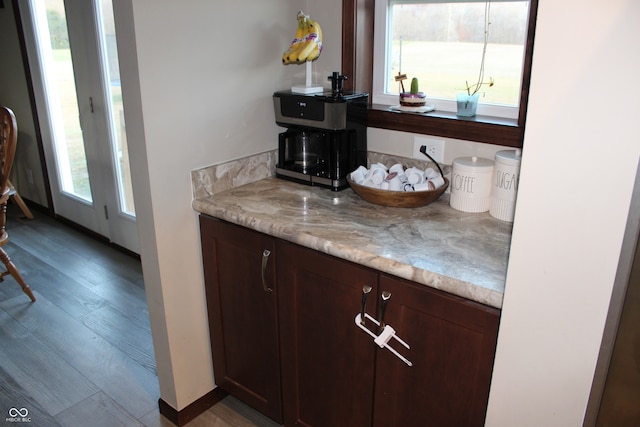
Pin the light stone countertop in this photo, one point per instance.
(464, 254)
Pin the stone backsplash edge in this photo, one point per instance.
(214, 179)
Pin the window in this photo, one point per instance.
(357, 63)
(441, 42)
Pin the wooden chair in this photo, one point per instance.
(13, 194)
(8, 139)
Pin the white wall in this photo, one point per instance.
(579, 163)
(197, 84)
(401, 144)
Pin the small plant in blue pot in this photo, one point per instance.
(468, 101)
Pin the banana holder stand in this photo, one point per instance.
(386, 332)
(308, 87)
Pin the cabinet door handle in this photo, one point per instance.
(366, 290)
(384, 300)
(265, 260)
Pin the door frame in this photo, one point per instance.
(34, 110)
(94, 119)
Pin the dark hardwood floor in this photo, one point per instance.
(82, 354)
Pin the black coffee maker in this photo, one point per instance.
(326, 135)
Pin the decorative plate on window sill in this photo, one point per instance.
(419, 110)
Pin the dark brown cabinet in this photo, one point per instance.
(327, 362)
(295, 353)
(452, 343)
(241, 302)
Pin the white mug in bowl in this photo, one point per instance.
(423, 186)
(395, 183)
(358, 175)
(429, 173)
(414, 176)
(377, 175)
(397, 168)
(369, 183)
(437, 181)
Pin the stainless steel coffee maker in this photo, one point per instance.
(326, 136)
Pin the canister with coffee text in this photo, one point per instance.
(471, 184)
(506, 175)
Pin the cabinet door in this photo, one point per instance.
(452, 350)
(242, 315)
(327, 361)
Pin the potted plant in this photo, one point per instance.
(414, 98)
(468, 101)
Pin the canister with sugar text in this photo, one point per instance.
(506, 175)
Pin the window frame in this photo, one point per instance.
(357, 64)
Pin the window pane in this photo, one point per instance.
(442, 43)
(53, 44)
(116, 109)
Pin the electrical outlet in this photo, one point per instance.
(434, 147)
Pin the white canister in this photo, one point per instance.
(506, 175)
(471, 184)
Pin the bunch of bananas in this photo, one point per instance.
(307, 45)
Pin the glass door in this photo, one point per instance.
(72, 49)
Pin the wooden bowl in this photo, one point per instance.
(399, 199)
